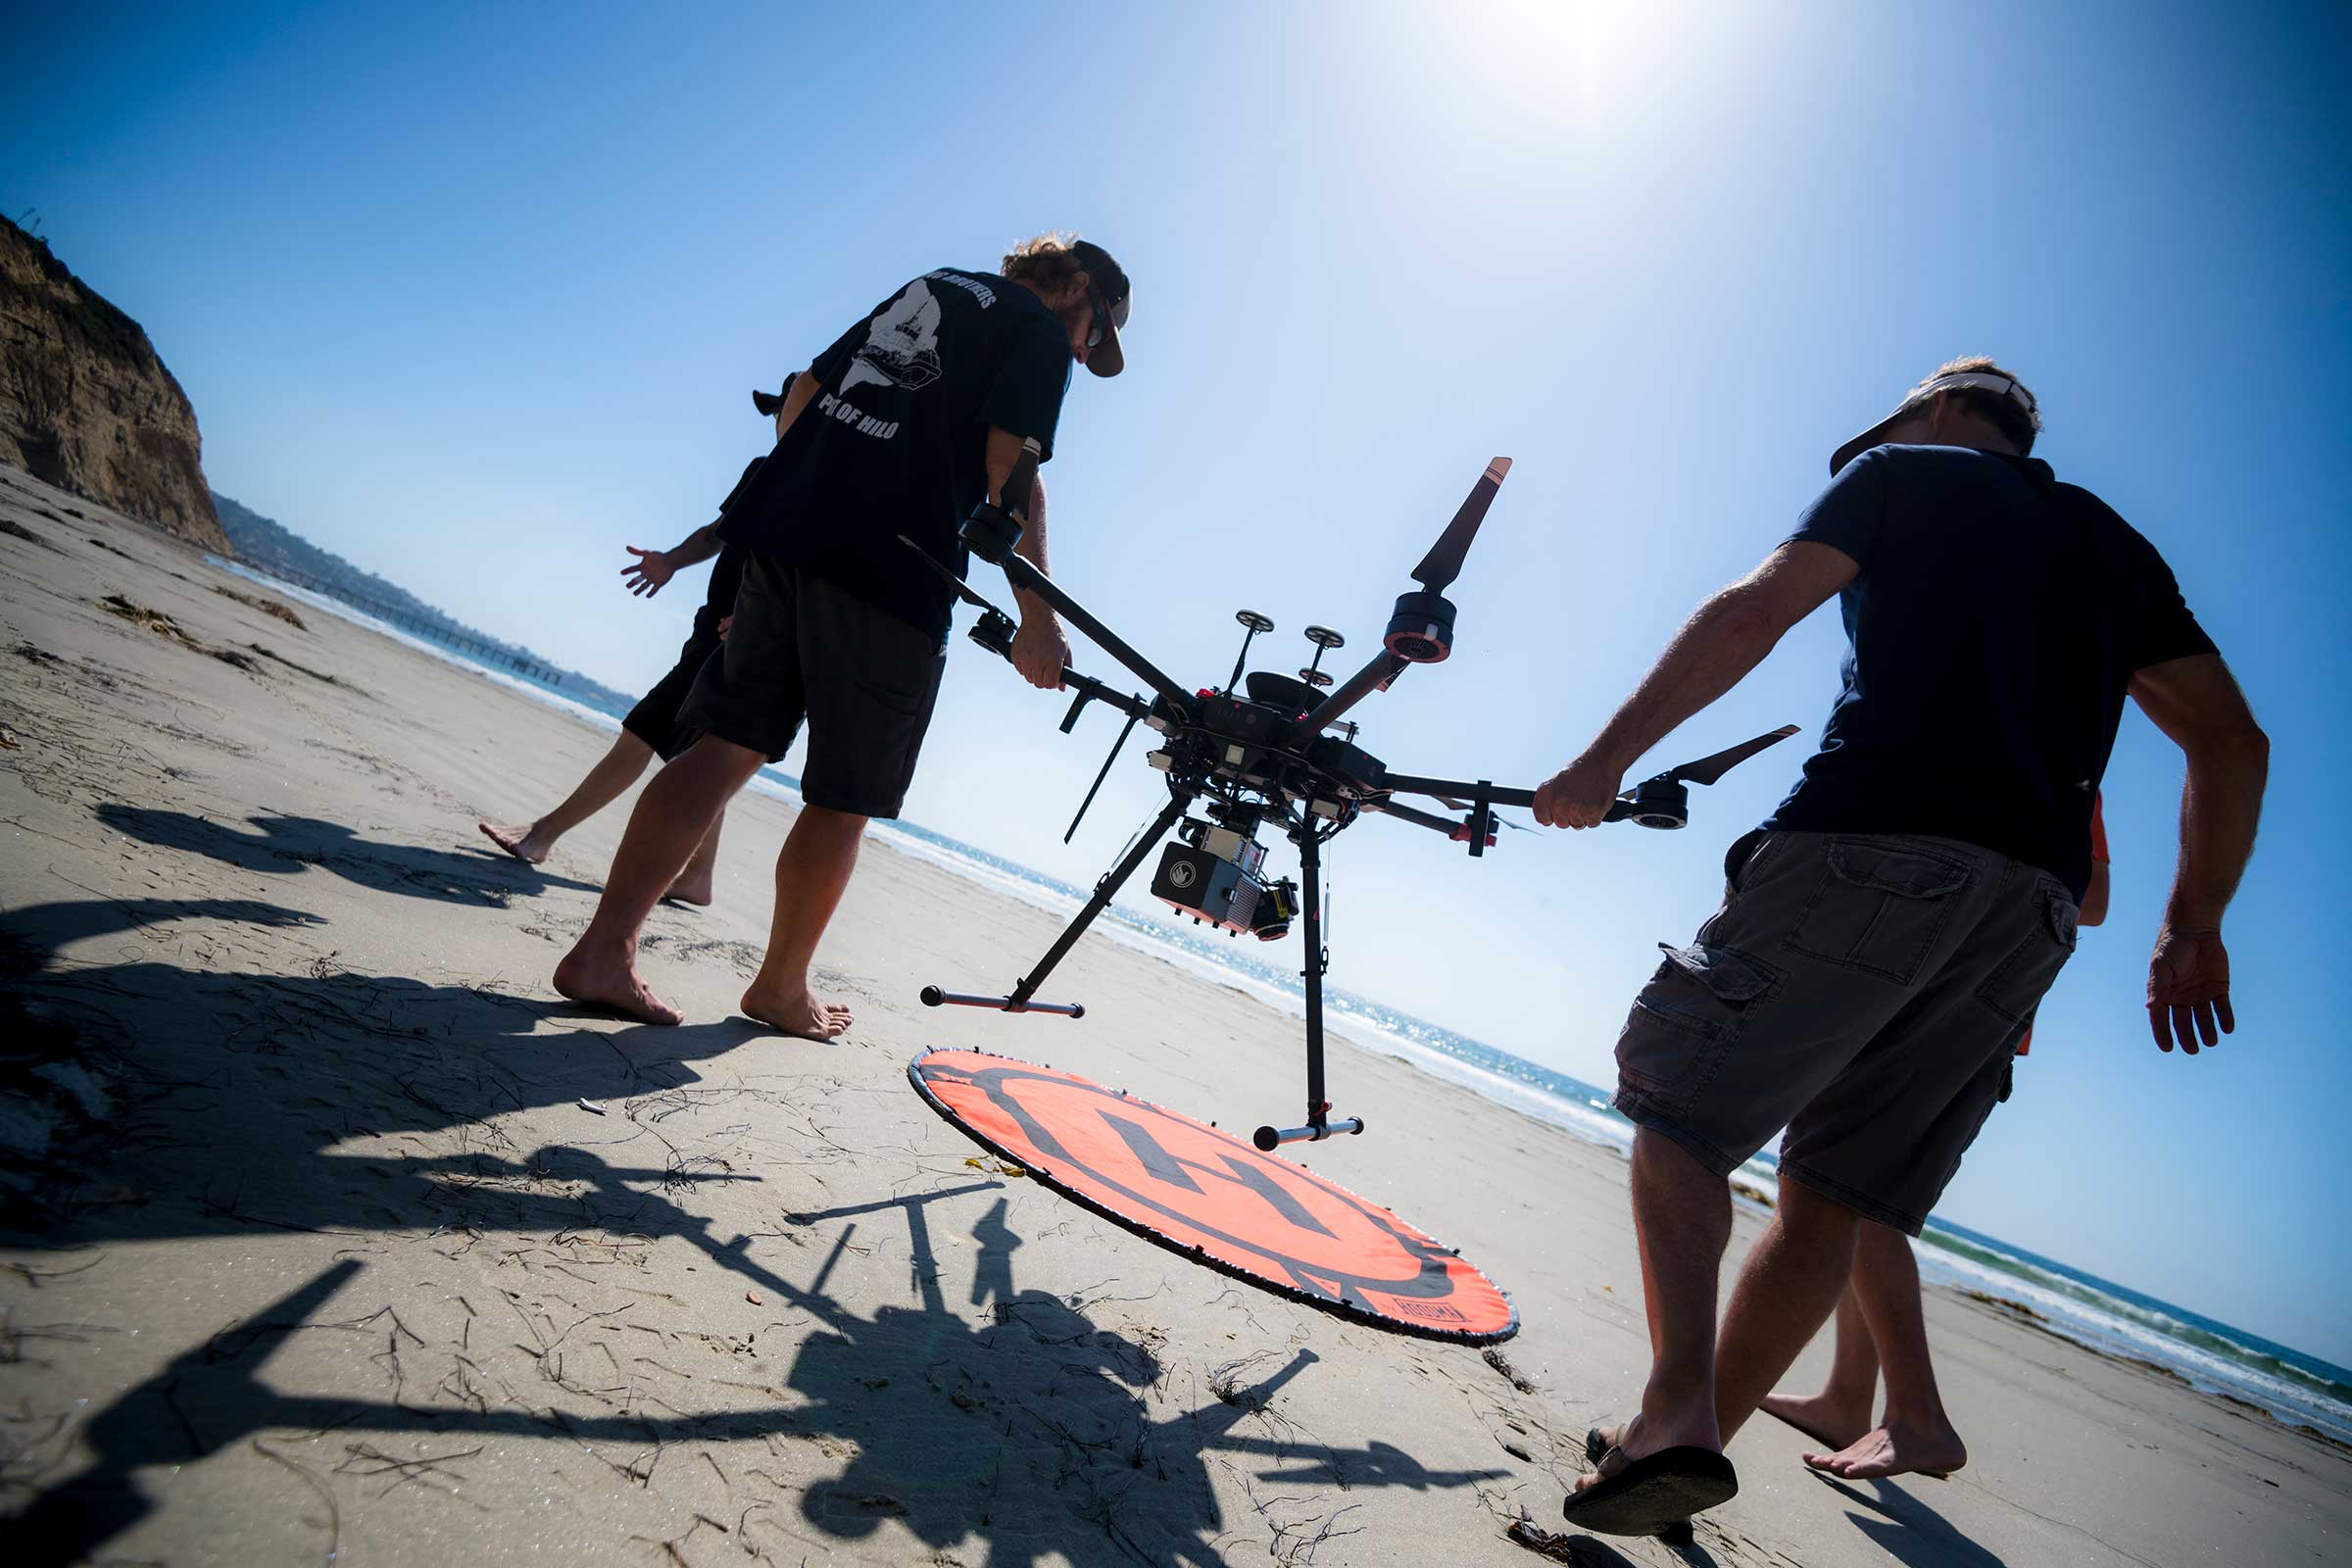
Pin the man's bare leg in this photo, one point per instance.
(1840, 1412)
(812, 870)
(1916, 1433)
(1682, 1219)
(614, 772)
(1787, 1290)
(693, 884)
(671, 817)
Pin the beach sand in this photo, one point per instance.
(331, 1265)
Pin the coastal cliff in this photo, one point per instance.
(87, 405)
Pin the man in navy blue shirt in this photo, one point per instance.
(1886, 934)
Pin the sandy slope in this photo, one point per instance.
(347, 1269)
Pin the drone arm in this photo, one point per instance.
(1455, 788)
(1027, 579)
(1415, 815)
(1383, 667)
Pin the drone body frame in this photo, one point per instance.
(1264, 749)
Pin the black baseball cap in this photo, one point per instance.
(768, 403)
(1106, 357)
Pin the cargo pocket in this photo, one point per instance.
(1688, 1017)
(1880, 908)
(2017, 984)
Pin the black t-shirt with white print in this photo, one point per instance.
(895, 441)
(726, 572)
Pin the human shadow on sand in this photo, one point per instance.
(1029, 1430)
(276, 845)
(232, 1091)
(1907, 1529)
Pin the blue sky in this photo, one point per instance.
(474, 297)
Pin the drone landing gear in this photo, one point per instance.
(1320, 1124)
(1104, 890)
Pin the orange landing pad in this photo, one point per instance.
(1214, 1198)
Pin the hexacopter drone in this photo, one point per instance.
(1269, 748)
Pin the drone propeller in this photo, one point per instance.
(1707, 769)
(1443, 563)
(964, 590)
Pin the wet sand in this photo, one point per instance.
(326, 1261)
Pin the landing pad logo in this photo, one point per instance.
(902, 345)
(1206, 1194)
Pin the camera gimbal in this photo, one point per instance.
(1273, 748)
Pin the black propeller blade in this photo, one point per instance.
(1707, 769)
(1464, 805)
(964, 590)
(1443, 563)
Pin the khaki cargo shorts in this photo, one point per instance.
(1866, 991)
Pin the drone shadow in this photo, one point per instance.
(278, 846)
(1029, 1429)
(258, 1104)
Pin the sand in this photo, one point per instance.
(330, 1263)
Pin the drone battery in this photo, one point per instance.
(1193, 881)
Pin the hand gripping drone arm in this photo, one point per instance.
(1660, 801)
(995, 630)
(992, 534)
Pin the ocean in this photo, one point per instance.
(2293, 1387)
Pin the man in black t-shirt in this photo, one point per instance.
(945, 395)
(1885, 936)
(652, 728)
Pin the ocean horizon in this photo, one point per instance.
(2291, 1385)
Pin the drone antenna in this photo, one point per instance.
(1256, 623)
(1325, 640)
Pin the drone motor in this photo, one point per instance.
(1421, 628)
(1660, 803)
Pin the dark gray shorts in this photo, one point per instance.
(799, 648)
(1867, 992)
(655, 719)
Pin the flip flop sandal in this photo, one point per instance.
(1652, 1495)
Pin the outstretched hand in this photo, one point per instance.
(2188, 990)
(1579, 795)
(647, 573)
(1039, 651)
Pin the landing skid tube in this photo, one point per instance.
(1319, 1121)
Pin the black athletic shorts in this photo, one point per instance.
(655, 719)
(799, 648)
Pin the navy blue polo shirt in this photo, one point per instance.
(1995, 623)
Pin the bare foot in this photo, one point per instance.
(689, 889)
(1893, 1450)
(603, 980)
(1823, 1418)
(523, 843)
(793, 1010)
(1641, 1438)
